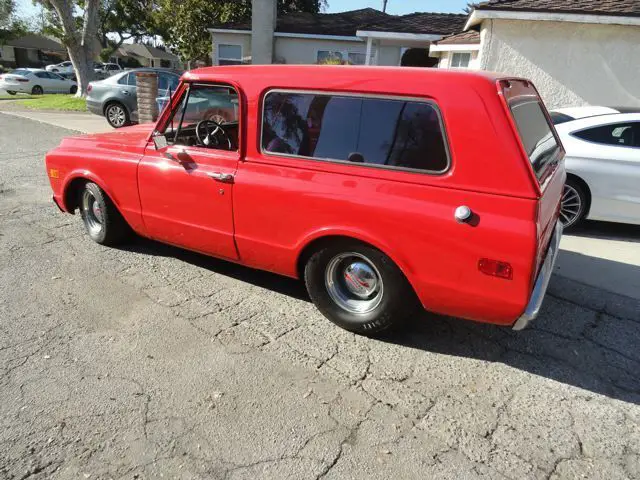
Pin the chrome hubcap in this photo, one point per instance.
(354, 283)
(571, 207)
(93, 213)
(116, 115)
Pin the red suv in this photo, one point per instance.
(385, 189)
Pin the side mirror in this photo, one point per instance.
(160, 142)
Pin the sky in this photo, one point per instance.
(399, 7)
(396, 7)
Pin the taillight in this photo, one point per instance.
(495, 268)
(89, 88)
(22, 80)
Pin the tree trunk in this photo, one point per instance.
(79, 44)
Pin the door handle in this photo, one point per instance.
(125, 92)
(222, 177)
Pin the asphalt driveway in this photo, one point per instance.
(148, 361)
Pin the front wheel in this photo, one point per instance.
(73, 90)
(101, 218)
(359, 288)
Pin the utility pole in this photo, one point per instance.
(384, 6)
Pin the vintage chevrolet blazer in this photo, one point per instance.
(384, 189)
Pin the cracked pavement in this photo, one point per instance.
(148, 361)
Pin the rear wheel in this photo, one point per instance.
(11, 92)
(117, 115)
(574, 204)
(359, 288)
(101, 218)
(37, 90)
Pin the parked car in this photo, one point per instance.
(603, 163)
(108, 68)
(116, 99)
(64, 67)
(36, 82)
(369, 183)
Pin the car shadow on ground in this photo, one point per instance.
(607, 231)
(583, 337)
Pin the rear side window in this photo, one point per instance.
(372, 131)
(617, 134)
(536, 134)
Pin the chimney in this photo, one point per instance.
(263, 24)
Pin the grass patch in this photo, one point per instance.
(67, 103)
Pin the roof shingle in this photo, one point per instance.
(469, 37)
(593, 7)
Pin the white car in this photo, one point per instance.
(36, 82)
(64, 67)
(603, 163)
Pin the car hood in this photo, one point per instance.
(129, 139)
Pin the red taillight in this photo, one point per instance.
(22, 80)
(495, 268)
(89, 88)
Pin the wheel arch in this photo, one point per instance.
(316, 241)
(75, 181)
(111, 100)
(585, 186)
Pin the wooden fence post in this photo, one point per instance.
(147, 91)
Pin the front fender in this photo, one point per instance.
(90, 176)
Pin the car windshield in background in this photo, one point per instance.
(535, 132)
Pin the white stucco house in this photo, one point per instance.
(361, 37)
(576, 52)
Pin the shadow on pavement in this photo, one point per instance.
(584, 337)
(607, 231)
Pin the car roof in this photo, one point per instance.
(586, 111)
(596, 121)
(336, 75)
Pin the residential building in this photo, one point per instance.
(576, 53)
(31, 51)
(460, 50)
(361, 37)
(141, 55)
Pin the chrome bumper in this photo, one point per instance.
(542, 282)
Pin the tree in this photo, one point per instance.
(183, 23)
(10, 26)
(77, 34)
(122, 20)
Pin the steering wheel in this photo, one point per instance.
(213, 134)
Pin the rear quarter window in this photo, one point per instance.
(536, 134)
(383, 132)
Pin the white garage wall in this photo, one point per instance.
(570, 63)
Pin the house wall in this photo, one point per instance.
(474, 63)
(230, 39)
(570, 63)
(304, 51)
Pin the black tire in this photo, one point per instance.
(574, 204)
(73, 90)
(106, 226)
(397, 300)
(117, 115)
(11, 92)
(37, 90)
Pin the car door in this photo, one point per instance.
(127, 93)
(59, 83)
(611, 163)
(45, 81)
(186, 186)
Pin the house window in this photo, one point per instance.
(329, 56)
(460, 60)
(339, 56)
(229, 54)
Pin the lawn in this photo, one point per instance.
(67, 103)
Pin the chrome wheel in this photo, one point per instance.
(116, 115)
(93, 215)
(354, 283)
(572, 206)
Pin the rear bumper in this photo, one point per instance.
(15, 87)
(542, 282)
(95, 107)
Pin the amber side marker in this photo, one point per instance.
(53, 173)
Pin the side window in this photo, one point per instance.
(124, 80)
(166, 82)
(618, 134)
(42, 75)
(215, 109)
(373, 131)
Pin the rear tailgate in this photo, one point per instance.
(541, 145)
